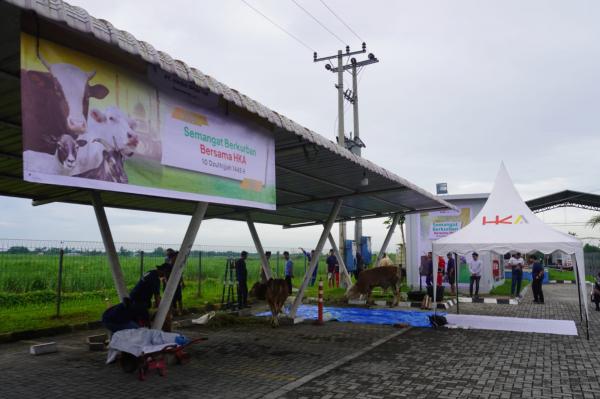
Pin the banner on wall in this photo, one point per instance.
(88, 123)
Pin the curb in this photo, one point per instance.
(560, 282)
(47, 332)
(496, 301)
(279, 392)
(440, 305)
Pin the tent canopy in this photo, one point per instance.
(505, 223)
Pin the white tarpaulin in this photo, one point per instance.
(505, 224)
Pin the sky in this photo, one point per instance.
(460, 87)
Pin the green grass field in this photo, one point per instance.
(28, 285)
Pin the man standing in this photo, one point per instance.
(451, 272)
(475, 269)
(360, 264)
(516, 263)
(429, 270)
(537, 276)
(242, 278)
(289, 270)
(309, 257)
(332, 265)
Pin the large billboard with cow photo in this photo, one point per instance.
(92, 124)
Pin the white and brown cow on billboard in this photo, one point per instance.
(55, 103)
(60, 138)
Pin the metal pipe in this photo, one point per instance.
(315, 259)
(177, 271)
(341, 262)
(259, 248)
(109, 246)
(388, 237)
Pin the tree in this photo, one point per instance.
(594, 221)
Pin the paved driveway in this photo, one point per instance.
(336, 361)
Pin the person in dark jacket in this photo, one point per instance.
(596, 292)
(242, 278)
(149, 286)
(125, 315)
(451, 272)
(537, 277)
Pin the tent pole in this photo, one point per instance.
(343, 269)
(388, 237)
(109, 245)
(456, 280)
(177, 271)
(259, 248)
(315, 259)
(577, 282)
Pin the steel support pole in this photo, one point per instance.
(388, 237)
(315, 259)
(341, 262)
(184, 252)
(259, 248)
(109, 246)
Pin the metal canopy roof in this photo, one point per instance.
(563, 199)
(311, 171)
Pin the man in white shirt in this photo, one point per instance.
(475, 268)
(516, 263)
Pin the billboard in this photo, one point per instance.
(92, 124)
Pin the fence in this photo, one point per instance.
(592, 263)
(46, 272)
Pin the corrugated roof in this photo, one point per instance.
(302, 183)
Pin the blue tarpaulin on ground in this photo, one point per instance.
(365, 316)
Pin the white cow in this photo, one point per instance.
(62, 162)
(112, 126)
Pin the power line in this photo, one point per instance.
(319, 22)
(277, 25)
(342, 21)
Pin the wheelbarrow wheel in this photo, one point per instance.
(129, 363)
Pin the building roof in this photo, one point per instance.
(563, 199)
(311, 171)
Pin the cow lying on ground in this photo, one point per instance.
(276, 294)
(384, 277)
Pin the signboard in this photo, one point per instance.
(88, 123)
(443, 223)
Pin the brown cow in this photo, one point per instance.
(383, 276)
(54, 103)
(259, 291)
(277, 293)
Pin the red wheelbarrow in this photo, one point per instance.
(158, 360)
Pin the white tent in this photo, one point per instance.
(505, 224)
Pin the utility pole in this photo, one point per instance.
(354, 144)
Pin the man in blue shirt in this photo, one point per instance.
(537, 276)
(289, 270)
(125, 315)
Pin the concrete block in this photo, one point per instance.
(40, 349)
(381, 303)
(97, 342)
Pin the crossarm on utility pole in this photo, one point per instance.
(340, 259)
(388, 237)
(259, 248)
(177, 271)
(315, 259)
(109, 246)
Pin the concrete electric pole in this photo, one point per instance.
(354, 144)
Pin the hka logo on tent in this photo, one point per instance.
(505, 220)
